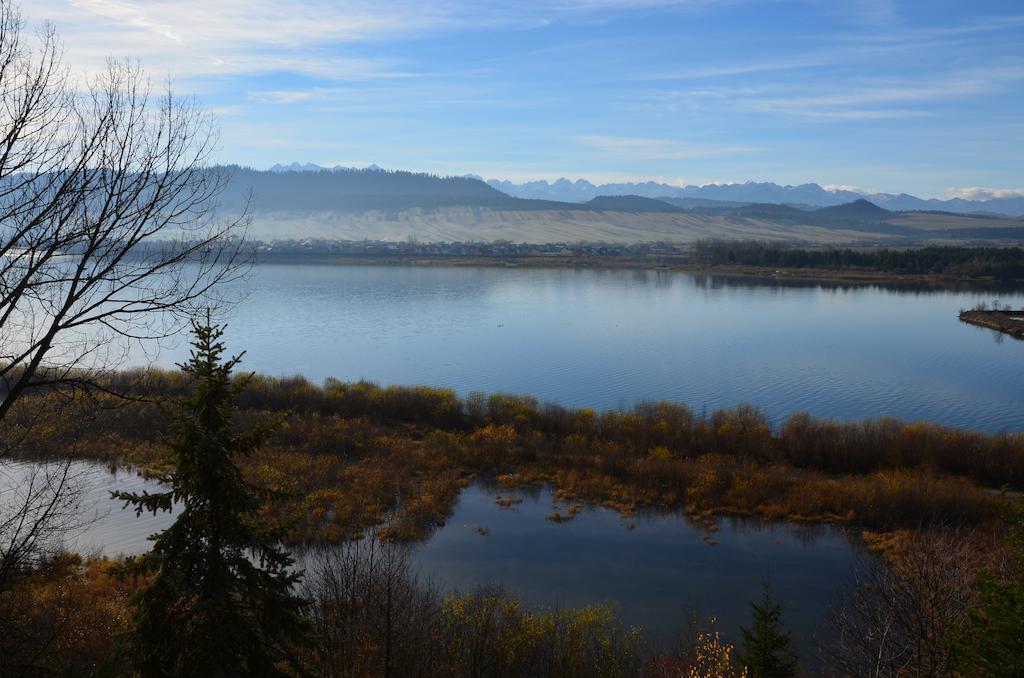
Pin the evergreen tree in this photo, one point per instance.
(767, 646)
(993, 640)
(219, 598)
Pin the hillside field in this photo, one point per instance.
(463, 224)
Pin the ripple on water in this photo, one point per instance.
(612, 338)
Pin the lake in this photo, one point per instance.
(653, 568)
(610, 338)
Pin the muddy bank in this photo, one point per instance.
(1009, 322)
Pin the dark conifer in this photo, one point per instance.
(767, 647)
(219, 594)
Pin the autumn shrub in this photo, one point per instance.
(489, 633)
(63, 619)
(376, 617)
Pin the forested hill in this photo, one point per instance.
(362, 190)
(631, 203)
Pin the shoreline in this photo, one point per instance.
(1006, 322)
(669, 264)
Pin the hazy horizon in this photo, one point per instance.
(974, 193)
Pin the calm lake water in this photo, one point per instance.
(611, 338)
(654, 568)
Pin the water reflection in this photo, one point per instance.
(103, 526)
(653, 568)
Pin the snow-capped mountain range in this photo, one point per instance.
(311, 167)
(582, 190)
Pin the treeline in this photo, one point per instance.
(744, 432)
(967, 262)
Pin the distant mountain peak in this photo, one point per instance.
(296, 167)
(313, 167)
(860, 209)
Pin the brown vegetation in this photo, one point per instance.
(354, 455)
(376, 618)
(64, 619)
(1008, 322)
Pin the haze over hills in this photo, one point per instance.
(300, 201)
(582, 190)
(351, 190)
(344, 190)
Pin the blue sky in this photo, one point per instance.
(922, 97)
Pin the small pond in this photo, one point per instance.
(653, 567)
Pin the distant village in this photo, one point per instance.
(498, 248)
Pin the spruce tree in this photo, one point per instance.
(767, 646)
(219, 594)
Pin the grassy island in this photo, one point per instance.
(347, 451)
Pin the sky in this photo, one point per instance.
(923, 97)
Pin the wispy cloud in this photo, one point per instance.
(844, 49)
(224, 37)
(869, 102)
(632, 148)
(829, 99)
(979, 193)
(748, 67)
(913, 35)
(235, 37)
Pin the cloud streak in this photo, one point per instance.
(632, 148)
(200, 38)
(225, 37)
(978, 193)
(851, 99)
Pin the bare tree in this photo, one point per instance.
(108, 233)
(109, 238)
(38, 507)
(901, 614)
(372, 612)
